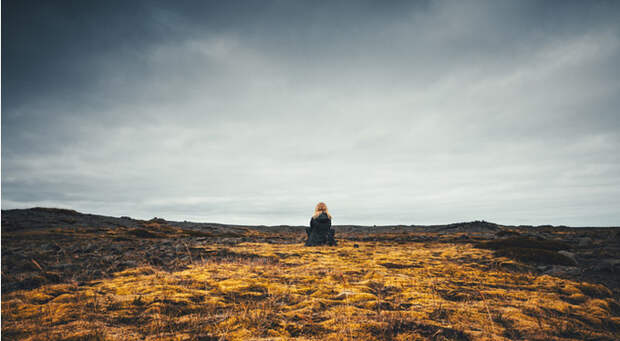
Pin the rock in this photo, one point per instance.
(109, 258)
(558, 270)
(127, 264)
(48, 246)
(64, 266)
(608, 265)
(584, 242)
(568, 254)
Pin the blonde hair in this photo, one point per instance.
(321, 208)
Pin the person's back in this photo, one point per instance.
(320, 231)
(322, 222)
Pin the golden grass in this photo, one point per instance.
(263, 291)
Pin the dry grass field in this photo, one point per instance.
(281, 290)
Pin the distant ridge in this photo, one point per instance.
(50, 217)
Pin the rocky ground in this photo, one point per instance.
(42, 247)
(47, 245)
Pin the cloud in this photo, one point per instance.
(426, 113)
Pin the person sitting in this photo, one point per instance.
(320, 232)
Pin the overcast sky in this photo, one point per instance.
(253, 111)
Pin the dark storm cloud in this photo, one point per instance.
(407, 112)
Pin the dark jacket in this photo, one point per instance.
(322, 223)
(320, 231)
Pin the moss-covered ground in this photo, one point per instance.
(359, 290)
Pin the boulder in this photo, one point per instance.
(568, 254)
(585, 242)
(562, 270)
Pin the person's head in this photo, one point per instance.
(321, 208)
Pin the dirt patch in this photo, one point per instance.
(399, 266)
(529, 250)
(142, 233)
(524, 242)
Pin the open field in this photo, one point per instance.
(161, 280)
